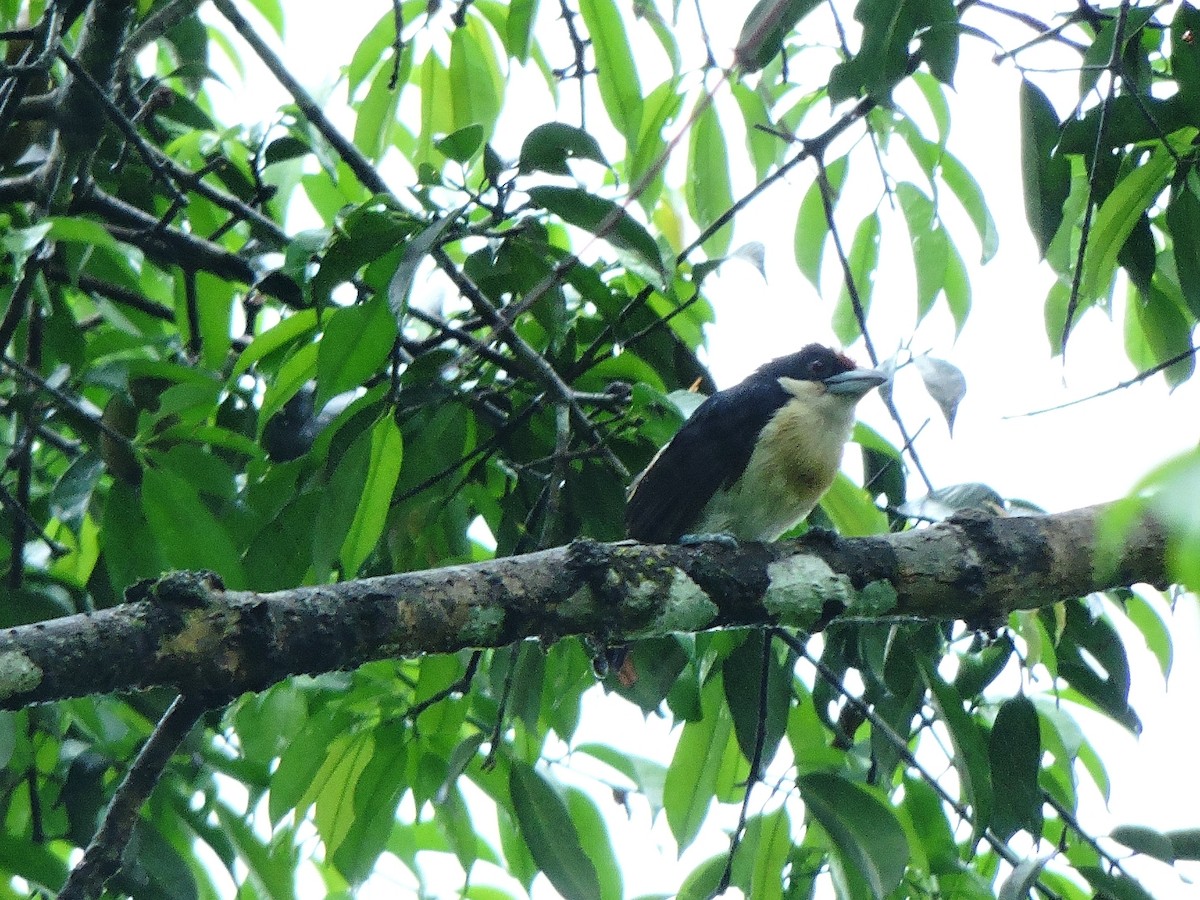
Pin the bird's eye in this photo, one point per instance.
(817, 367)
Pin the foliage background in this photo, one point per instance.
(341, 753)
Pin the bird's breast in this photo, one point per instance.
(794, 462)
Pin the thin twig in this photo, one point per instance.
(102, 858)
(31, 522)
(1136, 379)
(578, 70)
(860, 313)
(126, 127)
(460, 687)
(1101, 125)
(1045, 31)
(117, 293)
(65, 401)
(1072, 822)
(755, 777)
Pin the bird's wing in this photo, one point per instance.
(709, 452)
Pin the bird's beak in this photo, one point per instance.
(856, 382)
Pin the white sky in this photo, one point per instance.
(1075, 457)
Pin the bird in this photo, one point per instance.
(755, 459)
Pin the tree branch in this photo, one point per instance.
(186, 630)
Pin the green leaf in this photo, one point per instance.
(964, 186)
(939, 41)
(383, 470)
(461, 145)
(1046, 177)
(443, 719)
(270, 873)
(602, 218)
(742, 674)
(1185, 843)
(333, 787)
(695, 769)
(935, 96)
(454, 820)
(865, 833)
(354, 347)
(957, 287)
(664, 31)
(1183, 224)
(1147, 619)
(648, 775)
(518, 28)
(616, 70)
(375, 124)
(414, 254)
(883, 471)
(1091, 657)
(476, 85)
(764, 148)
(930, 246)
(159, 865)
(1056, 306)
(370, 51)
(702, 882)
(78, 230)
(548, 147)
(299, 369)
(1115, 220)
(437, 110)
(36, 862)
(863, 260)
(970, 753)
(292, 328)
(644, 162)
(72, 492)
(978, 669)
(272, 11)
(1015, 751)
(765, 847)
(339, 503)
(376, 792)
(1148, 841)
(812, 225)
(214, 312)
(936, 840)
(596, 843)
(550, 833)
(883, 60)
(1094, 766)
(765, 28)
(1158, 329)
(190, 535)
(852, 510)
(708, 189)
(1185, 61)
(1139, 256)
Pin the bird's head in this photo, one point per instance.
(823, 371)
